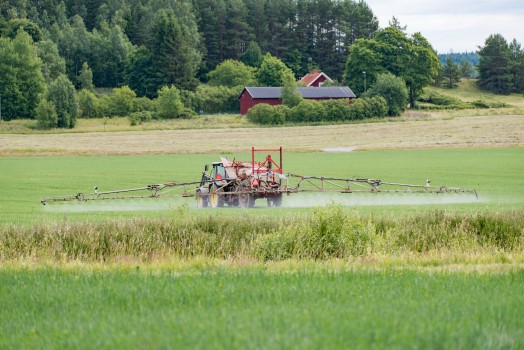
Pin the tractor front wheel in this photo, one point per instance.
(202, 201)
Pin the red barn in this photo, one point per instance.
(252, 96)
(314, 79)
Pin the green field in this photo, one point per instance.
(494, 173)
(251, 308)
(373, 271)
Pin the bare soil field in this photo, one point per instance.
(458, 132)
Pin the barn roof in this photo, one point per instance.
(310, 78)
(306, 92)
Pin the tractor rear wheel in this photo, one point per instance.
(216, 197)
(275, 201)
(246, 200)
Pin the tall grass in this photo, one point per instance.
(330, 232)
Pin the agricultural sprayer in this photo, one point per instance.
(241, 183)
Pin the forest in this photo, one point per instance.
(61, 48)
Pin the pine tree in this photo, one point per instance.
(495, 65)
(517, 66)
(450, 72)
(173, 53)
(252, 56)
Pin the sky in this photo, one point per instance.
(455, 25)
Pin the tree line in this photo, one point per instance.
(49, 48)
(303, 33)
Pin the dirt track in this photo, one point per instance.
(483, 131)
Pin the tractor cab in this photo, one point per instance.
(219, 171)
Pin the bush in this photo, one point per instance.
(144, 104)
(393, 89)
(337, 110)
(137, 118)
(104, 105)
(122, 101)
(442, 100)
(169, 103)
(267, 115)
(88, 104)
(308, 111)
(218, 99)
(46, 114)
(485, 104)
(378, 106)
(192, 100)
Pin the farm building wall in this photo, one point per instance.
(246, 102)
(318, 81)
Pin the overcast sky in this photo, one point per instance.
(455, 25)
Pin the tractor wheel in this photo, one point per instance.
(216, 197)
(202, 201)
(275, 201)
(246, 200)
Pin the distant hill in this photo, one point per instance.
(471, 57)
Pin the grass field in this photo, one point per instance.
(254, 308)
(374, 271)
(494, 173)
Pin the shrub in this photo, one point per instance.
(122, 101)
(88, 104)
(169, 103)
(267, 115)
(192, 100)
(378, 106)
(337, 110)
(393, 89)
(144, 104)
(46, 114)
(485, 104)
(441, 100)
(104, 105)
(218, 99)
(308, 111)
(359, 109)
(137, 118)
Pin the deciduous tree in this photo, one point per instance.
(62, 94)
(273, 72)
(232, 73)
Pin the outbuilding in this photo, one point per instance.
(315, 79)
(252, 96)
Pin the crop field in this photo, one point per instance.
(323, 271)
(255, 308)
(26, 180)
